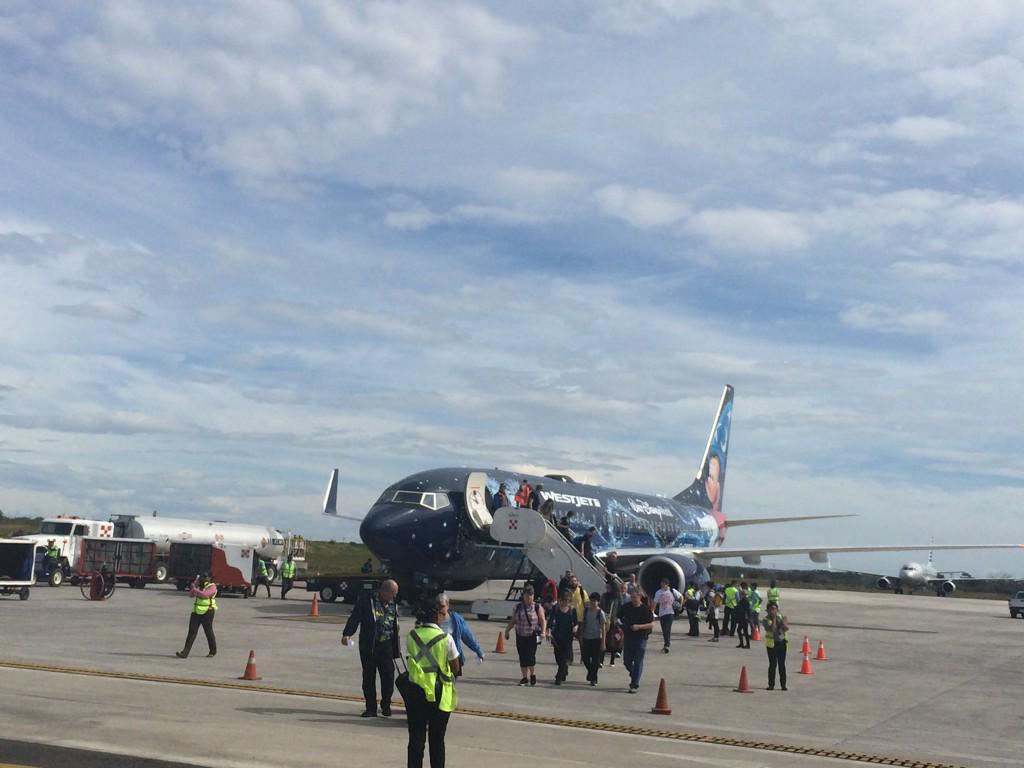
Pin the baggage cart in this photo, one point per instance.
(17, 567)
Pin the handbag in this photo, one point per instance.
(402, 681)
(613, 639)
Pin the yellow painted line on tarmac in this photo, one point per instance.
(564, 722)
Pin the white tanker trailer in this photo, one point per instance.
(268, 542)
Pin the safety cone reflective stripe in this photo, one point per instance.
(661, 705)
(821, 652)
(500, 645)
(757, 634)
(314, 607)
(807, 645)
(805, 668)
(744, 684)
(250, 668)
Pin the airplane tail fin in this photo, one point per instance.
(709, 484)
(331, 497)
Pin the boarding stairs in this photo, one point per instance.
(546, 549)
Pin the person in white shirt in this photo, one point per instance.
(666, 601)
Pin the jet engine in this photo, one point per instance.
(947, 588)
(679, 569)
(883, 583)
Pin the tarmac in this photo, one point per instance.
(910, 680)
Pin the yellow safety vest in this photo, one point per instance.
(53, 551)
(204, 604)
(263, 568)
(288, 570)
(773, 595)
(769, 634)
(428, 662)
(730, 597)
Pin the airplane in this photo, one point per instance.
(433, 529)
(916, 576)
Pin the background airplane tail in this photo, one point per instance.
(707, 489)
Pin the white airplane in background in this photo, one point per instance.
(917, 576)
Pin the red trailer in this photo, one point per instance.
(230, 565)
(105, 561)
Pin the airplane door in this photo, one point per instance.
(476, 501)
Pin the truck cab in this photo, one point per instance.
(67, 532)
(1017, 605)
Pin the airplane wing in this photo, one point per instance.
(753, 555)
(734, 523)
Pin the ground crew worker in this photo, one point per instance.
(731, 593)
(287, 575)
(755, 606)
(50, 557)
(262, 576)
(776, 641)
(773, 593)
(203, 610)
(430, 698)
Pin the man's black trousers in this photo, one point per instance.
(377, 660)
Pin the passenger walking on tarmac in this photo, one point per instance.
(755, 606)
(731, 593)
(430, 698)
(773, 594)
(562, 624)
(776, 641)
(530, 626)
(692, 606)
(203, 610)
(637, 621)
(287, 575)
(715, 604)
(666, 600)
(376, 618)
(613, 639)
(548, 594)
(742, 616)
(453, 624)
(578, 599)
(592, 636)
(262, 577)
(633, 585)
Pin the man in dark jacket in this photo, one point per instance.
(376, 618)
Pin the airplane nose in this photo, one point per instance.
(404, 534)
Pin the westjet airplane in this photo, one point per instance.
(440, 529)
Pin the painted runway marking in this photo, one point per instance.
(565, 722)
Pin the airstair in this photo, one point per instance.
(547, 550)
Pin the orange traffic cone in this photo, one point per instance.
(314, 607)
(744, 685)
(500, 645)
(805, 668)
(821, 652)
(661, 705)
(250, 668)
(807, 645)
(757, 634)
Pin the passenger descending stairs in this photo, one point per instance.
(549, 551)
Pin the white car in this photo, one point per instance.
(1017, 605)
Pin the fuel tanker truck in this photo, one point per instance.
(66, 533)
(269, 543)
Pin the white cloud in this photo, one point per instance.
(101, 310)
(875, 317)
(271, 90)
(639, 207)
(750, 229)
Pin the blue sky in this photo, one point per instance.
(246, 243)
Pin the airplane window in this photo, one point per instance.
(408, 497)
(429, 501)
(440, 500)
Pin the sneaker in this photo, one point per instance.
(524, 681)
(211, 655)
(557, 681)
(783, 687)
(593, 682)
(385, 710)
(181, 654)
(369, 713)
(633, 689)
(611, 663)
(533, 679)
(665, 649)
(770, 688)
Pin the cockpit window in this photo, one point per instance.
(433, 501)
